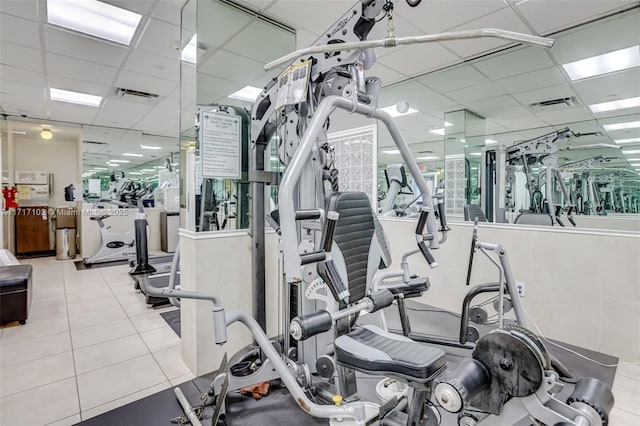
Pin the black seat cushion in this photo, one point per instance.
(14, 278)
(414, 288)
(372, 350)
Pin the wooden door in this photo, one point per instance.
(32, 229)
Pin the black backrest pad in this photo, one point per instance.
(353, 236)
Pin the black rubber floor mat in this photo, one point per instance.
(173, 319)
(80, 265)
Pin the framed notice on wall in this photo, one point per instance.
(220, 150)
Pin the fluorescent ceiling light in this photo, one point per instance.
(95, 18)
(113, 165)
(621, 126)
(391, 151)
(438, 131)
(633, 159)
(128, 154)
(635, 165)
(190, 51)
(490, 141)
(475, 154)
(136, 173)
(392, 110)
(147, 170)
(428, 157)
(150, 147)
(101, 168)
(119, 161)
(631, 140)
(633, 151)
(602, 64)
(247, 94)
(74, 97)
(613, 105)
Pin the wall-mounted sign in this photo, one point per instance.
(220, 151)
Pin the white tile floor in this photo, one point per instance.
(91, 344)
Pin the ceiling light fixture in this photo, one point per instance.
(613, 105)
(129, 154)
(46, 134)
(392, 110)
(475, 154)
(136, 173)
(490, 141)
(119, 161)
(150, 147)
(438, 131)
(631, 152)
(602, 64)
(247, 94)
(621, 126)
(428, 157)
(101, 168)
(190, 51)
(391, 151)
(74, 97)
(95, 18)
(633, 159)
(630, 140)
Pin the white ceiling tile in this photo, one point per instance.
(27, 9)
(476, 93)
(261, 41)
(453, 78)
(418, 96)
(153, 65)
(144, 83)
(505, 19)
(143, 7)
(77, 46)
(313, 15)
(616, 32)
(118, 118)
(21, 57)
(218, 23)
(514, 62)
(11, 102)
(79, 70)
(114, 104)
(212, 88)
(548, 16)
(28, 90)
(232, 67)
(513, 111)
(532, 80)
(387, 75)
(486, 106)
(491, 127)
(157, 38)
(9, 73)
(418, 59)
(168, 11)
(256, 4)
(544, 94)
(624, 84)
(19, 31)
(521, 122)
(436, 15)
(156, 125)
(102, 134)
(63, 111)
(305, 38)
(563, 116)
(64, 83)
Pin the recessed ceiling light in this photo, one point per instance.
(428, 157)
(613, 105)
(490, 141)
(621, 126)
(475, 154)
(438, 131)
(150, 147)
(74, 97)
(101, 168)
(630, 140)
(190, 51)
(391, 151)
(602, 64)
(247, 94)
(119, 161)
(633, 159)
(392, 110)
(129, 154)
(147, 170)
(136, 173)
(635, 165)
(113, 165)
(95, 18)
(631, 152)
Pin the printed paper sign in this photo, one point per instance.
(220, 145)
(292, 84)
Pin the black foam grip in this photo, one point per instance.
(427, 254)
(422, 222)
(333, 280)
(381, 299)
(443, 217)
(573, 222)
(307, 214)
(313, 257)
(327, 235)
(315, 323)
(142, 251)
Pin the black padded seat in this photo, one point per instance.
(372, 350)
(15, 293)
(414, 288)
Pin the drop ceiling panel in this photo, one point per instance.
(232, 67)
(118, 118)
(515, 111)
(453, 78)
(491, 127)
(624, 84)
(102, 134)
(418, 59)
(532, 80)
(565, 115)
(218, 23)
(257, 4)
(144, 83)
(476, 93)
(313, 15)
(304, 38)
(521, 122)
(27, 9)
(19, 31)
(64, 83)
(143, 7)
(212, 88)
(548, 16)
(544, 94)
(504, 19)
(436, 15)
(486, 106)
(65, 43)
(73, 113)
(158, 36)
(615, 33)
(21, 57)
(14, 88)
(112, 104)
(14, 103)
(79, 70)
(153, 65)
(168, 11)
(261, 42)
(157, 125)
(514, 62)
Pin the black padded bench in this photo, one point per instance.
(15, 293)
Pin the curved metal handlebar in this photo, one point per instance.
(398, 41)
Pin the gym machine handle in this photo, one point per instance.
(422, 221)
(329, 230)
(142, 253)
(301, 328)
(330, 275)
(313, 257)
(443, 219)
(427, 254)
(307, 214)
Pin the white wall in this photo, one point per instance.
(582, 287)
(618, 222)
